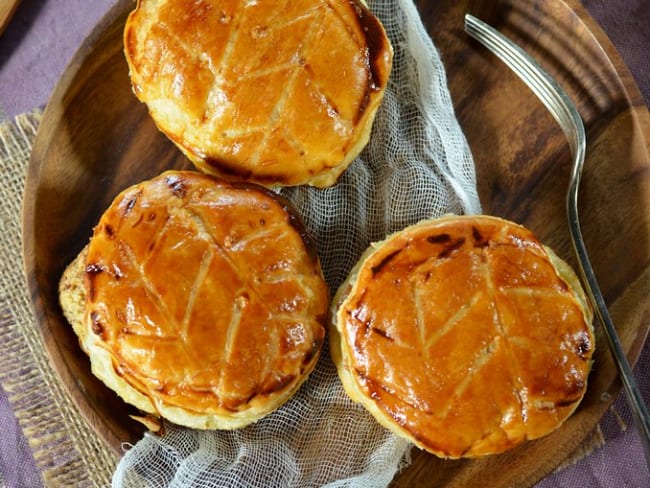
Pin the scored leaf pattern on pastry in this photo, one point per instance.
(205, 294)
(270, 88)
(466, 336)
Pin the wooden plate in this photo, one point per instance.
(95, 139)
(7, 9)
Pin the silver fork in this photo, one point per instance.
(563, 110)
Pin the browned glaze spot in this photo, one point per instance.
(130, 204)
(453, 246)
(97, 326)
(177, 185)
(382, 333)
(316, 345)
(584, 346)
(479, 239)
(277, 384)
(384, 262)
(376, 42)
(94, 268)
(439, 238)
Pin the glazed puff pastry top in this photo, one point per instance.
(464, 335)
(275, 92)
(204, 301)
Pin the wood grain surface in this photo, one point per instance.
(95, 139)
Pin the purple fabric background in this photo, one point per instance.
(42, 38)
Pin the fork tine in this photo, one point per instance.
(563, 110)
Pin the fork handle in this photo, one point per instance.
(633, 394)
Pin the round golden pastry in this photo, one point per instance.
(464, 335)
(278, 93)
(200, 301)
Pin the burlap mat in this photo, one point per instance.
(66, 450)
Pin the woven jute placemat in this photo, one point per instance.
(66, 450)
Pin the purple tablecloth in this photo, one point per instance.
(34, 51)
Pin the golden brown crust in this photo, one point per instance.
(72, 293)
(205, 302)
(276, 93)
(463, 334)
